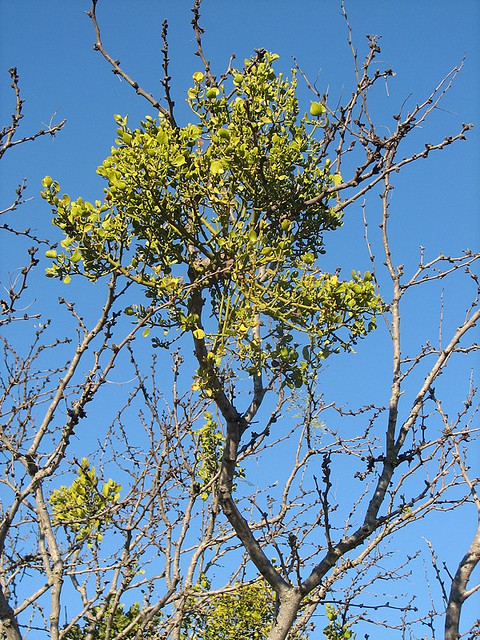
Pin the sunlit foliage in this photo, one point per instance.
(224, 216)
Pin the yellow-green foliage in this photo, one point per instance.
(83, 507)
(335, 630)
(234, 204)
(116, 622)
(210, 441)
(246, 613)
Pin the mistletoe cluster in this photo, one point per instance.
(83, 508)
(221, 223)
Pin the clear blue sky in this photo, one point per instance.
(436, 203)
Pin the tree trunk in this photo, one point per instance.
(458, 591)
(287, 613)
(8, 623)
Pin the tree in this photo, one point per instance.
(211, 236)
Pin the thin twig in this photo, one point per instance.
(117, 70)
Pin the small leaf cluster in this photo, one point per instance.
(245, 613)
(210, 442)
(232, 207)
(335, 630)
(115, 622)
(83, 507)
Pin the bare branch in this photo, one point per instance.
(117, 70)
(7, 133)
(198, 36)
(459, 592)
